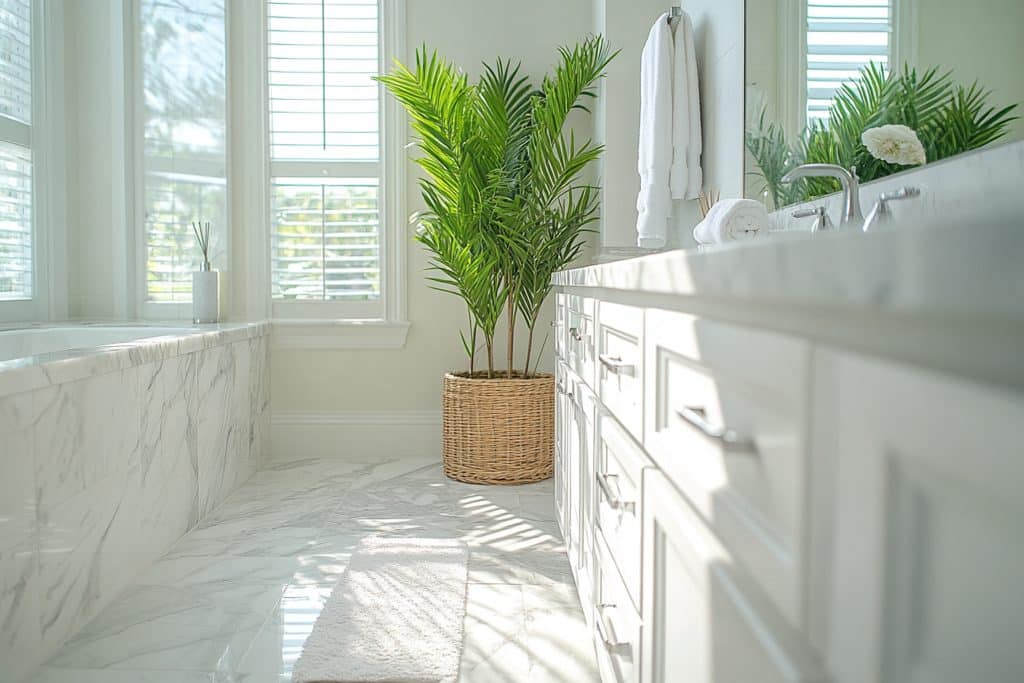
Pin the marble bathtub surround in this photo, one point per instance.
(236, 597)
(99, 476)
(59, 367)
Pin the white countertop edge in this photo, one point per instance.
(975, 271)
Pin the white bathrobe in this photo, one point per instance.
(670, 139)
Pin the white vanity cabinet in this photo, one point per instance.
(744, 504)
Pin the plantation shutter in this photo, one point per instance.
(184, 105)
(16, 259)
(842, 37)
(325, 149)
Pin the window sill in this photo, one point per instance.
(338, 334)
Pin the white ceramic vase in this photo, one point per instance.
(205, 295)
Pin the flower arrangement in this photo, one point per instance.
(880, 124)
(895, 144)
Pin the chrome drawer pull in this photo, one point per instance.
(616, 365)
(613, 499)
(575, 334)
(602, 632)
(696, 417)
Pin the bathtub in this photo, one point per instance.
(115, 440)
(38, 340)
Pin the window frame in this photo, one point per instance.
(37, 307)
(166, 310)
(341, 324)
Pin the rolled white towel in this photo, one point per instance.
(730, 220)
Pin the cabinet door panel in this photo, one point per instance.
(704, 619)
(926, 551)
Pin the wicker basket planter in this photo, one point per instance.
(498, 431)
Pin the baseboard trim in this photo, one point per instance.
(355, 435)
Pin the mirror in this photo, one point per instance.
(819, 73)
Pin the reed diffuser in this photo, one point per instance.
(205, 281)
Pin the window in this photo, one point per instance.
(184, 143)
(842, 37)
(16, 238)
(326, 185)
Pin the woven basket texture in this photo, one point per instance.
(498, 431)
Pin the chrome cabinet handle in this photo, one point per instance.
(696, 417)
(615, 364)
(603, 482)
(602, 632)
(562, 390)
(575, 334)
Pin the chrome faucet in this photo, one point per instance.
(851, 217)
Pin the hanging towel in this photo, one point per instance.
(730, 220)
(654, 202)
(670, 133)
(686, 176)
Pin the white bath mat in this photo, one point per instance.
(395, 616)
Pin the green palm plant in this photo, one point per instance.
(950, 118)
(506, 205)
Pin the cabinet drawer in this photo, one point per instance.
(617, 481)
(620, 352)
(616, 624)
(726, 419)
(705, 620)
(581, 338)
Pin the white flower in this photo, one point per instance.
(894, 143)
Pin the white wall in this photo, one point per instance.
(978, 40)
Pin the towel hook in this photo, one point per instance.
(674, 12)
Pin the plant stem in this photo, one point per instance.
(529, 345)
(511, 336)
(489, 340)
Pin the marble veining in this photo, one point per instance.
(235, 598)
(101, 475)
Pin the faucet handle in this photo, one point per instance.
(881, 213)
(902, 193)
(822, 221)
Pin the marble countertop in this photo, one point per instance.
(38, 371)
(945, 295)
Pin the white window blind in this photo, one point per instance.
(16, 248)
(184, 103)
(325, 150)
(842, 37)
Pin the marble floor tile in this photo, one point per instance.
(494, 644)
(166, 627)
(236, 597)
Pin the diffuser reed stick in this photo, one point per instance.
(706, 200)
(202, 232)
